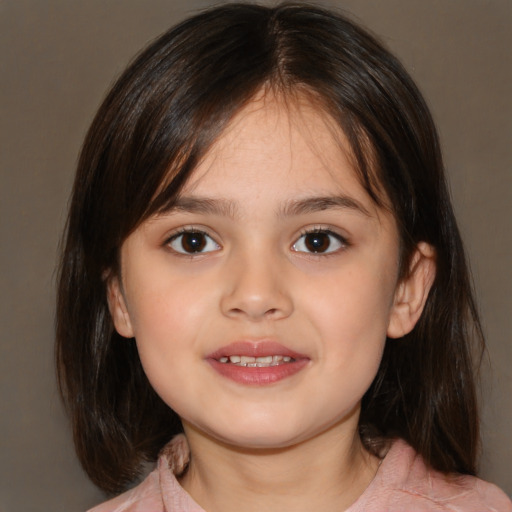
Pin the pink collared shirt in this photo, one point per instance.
(403, 483)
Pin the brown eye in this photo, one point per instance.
(319, 242)
(193, 242)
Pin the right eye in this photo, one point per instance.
(319, 241)
(192, 242)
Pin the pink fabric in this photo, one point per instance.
(402, 484)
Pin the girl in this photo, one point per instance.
(263, 285)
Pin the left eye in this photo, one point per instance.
(193, 242)
(319, 242)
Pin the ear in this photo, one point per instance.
(117, 307)
(412, 292)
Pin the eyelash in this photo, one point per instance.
(342, 241)
(191, 231)
(208, 240)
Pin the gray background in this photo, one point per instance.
(56, 62)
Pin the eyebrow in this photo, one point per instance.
(204, 205)
(227, 208)
(318, 204)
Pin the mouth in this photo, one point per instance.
(257, 362)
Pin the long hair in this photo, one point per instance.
(158, 121)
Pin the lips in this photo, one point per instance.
(256, 363)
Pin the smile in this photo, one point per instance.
(257, 362)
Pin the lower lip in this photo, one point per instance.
(258, 376)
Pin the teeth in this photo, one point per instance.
(257, 362)
(267, 359)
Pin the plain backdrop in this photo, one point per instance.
(57, 59)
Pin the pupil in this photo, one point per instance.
(317, 242)
(193, 242)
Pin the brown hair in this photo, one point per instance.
(158, 120)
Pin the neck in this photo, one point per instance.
(327, 472)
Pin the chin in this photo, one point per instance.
(258, 436)
(251, 436)
(262, 442)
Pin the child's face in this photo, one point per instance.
(290, 257)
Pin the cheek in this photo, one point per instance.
(163, 303)
(352, 317)
(165, 343)
(166, 316)
(357, 305)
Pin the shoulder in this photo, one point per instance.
(462, 493)
(144, 497)
(160, 491)
(405, 483)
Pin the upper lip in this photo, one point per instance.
(255, 348)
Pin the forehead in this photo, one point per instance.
(275, 145)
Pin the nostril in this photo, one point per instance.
(241, 311)
(255, 299)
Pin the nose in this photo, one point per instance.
(256, 288)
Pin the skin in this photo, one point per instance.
(292, 444)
